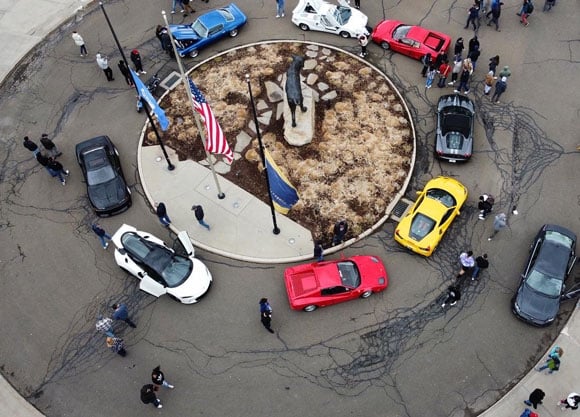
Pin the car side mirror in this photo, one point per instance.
(141, 274)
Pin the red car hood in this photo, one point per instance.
(384, 30)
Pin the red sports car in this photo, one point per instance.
(321, 284)
(413, 41)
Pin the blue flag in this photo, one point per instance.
(146, 95)
(284, 195)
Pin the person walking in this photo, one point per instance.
(339, 232)
(472, 16)
(117, 345)
(553, 360)
(43, 160)
(453, 296)
(427, 61)
(318, 251)
(126, 74)
(57, 170)
(357, 4)
(467, 263)
(363, 40)
(535, 398)
(100, 232)
(481, 262)
(49, 146)
(187, 7)
(571, 401)
(136, 59)
(279, 8)
(104, 325)
(266, 314)
(103, 63)
(121, 312)
(80, 42)
(30, 145)
(198, 210)
(175, 3)
(500, 88)
(457, 67)
(485, 205)
(493, 63)
(499, 223)
(159, 380)
(527, 10)
(161, 211)
(148, 396)
(495, 14)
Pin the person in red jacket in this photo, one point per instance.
(444, 71)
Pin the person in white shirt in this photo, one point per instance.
(80, 42)
(103, 63)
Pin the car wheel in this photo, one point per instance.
(385, 45)
(194, 53)
(233, 33)
(310, 308)
(344, 34)
(366, 294)
(303, 26)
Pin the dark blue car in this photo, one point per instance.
(208, 28)
(552, 256)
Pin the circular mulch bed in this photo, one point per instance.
(363, 146)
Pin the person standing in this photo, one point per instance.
(125, 71)
(481, 262)
(117, 345)
(473, 15)
(548, 5)
(485, 205)
(493, 63)
(444, 70)
(535, 398)
(104, 325)
(318, 251)
(430, 77)
(187, 7)
(31, 146)
(279, 8)
(136, 59)
(80, 42)
(363, 40)
(458, 48)
(148, 396)
(100, 232)
(266, 314)
(457, 67)
(121, 312)
(500, 88)
(463, 82)
(43, 160)
(340, 229)
(453, 296)
(199, 215)
(571, 401)
(473, 44)
(427, 61)
(499, 223)
(467, 263)
(49, 146)
(103, 63)
(161, 211)
(175, 3)
(474, 56)
(57, 170)
(505, 72)
(441, 58)
(158, 379)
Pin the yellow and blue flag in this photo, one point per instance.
(284, 195)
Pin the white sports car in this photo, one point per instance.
(162, 270)
(320, 15)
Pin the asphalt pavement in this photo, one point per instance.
(23, 27)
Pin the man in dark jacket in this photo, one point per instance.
(121, 312)
(473, 16)
(495, 14)
(458, 48)
(49, 146)
(481, 262)
(340, 230)
(453, 296)
(30, 145)
(162, 214)
(56, 170)
(535, 398)
(148, 396)
(199, 214)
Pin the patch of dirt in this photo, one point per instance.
(363, 145)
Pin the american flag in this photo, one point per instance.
(216, 141)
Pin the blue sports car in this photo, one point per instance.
(208, 28)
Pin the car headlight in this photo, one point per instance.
(517, 307)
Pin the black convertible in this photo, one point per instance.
(552, 256)
(455, 118)
(106, 185)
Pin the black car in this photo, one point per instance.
(455, 119)
(552, 256)
(106, 186)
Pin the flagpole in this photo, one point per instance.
(259, 135)
(196, 116)
(170, 166)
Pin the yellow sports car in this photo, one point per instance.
(429, 218)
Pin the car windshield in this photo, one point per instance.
(454, 140)
(199, 29)
(342, 14)
(349, 274)
(98, 167)
(559, 238)
(442, 196)
(544, 284)
(401, 32)
(173, 269)
(226, 14)
(421, 226)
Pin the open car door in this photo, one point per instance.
(149, 285)
(183, 246)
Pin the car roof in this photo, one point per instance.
(553, 259)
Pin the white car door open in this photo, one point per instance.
(149, 285)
